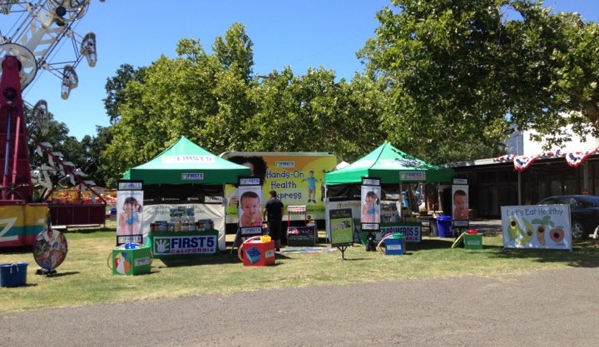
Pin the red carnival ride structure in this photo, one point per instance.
(23, 212)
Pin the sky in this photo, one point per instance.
(298, 34)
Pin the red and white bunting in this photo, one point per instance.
(522, 162)
(556, 153)
(574, 159)
(504, 158)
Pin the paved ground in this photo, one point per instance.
(544, 308)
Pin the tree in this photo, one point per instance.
(115, 88)
(314, 112)
(96, 167)
(234, 51)
(58, 139)
(462, 70)
(362, 122)
(295, 112)
(58, 147)
(196, 95)
(231, 127)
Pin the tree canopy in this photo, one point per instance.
(467, 69)
(444, 81)
(217, 102)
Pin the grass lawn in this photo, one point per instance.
(84, 278)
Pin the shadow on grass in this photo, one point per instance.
(584, 254)
(57, 274)
(90, 230)
(216, 259)
(354, 259)
(429, 244)
(223, 257)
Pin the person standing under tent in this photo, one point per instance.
(273, 213)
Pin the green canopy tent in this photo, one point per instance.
(388, 163)
(392, 166)
(187, 163)
(186, 175)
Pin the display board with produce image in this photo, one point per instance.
(536, 226)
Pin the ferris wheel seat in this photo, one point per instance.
(69, 81)
(89, 49)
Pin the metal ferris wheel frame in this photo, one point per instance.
(35, 36)
(28, 46)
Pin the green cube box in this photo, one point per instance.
(134, 261)
(473, 241)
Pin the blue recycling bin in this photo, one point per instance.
(444, 226)
(113, 213)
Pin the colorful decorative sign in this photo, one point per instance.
(50, 249)
(298, 179)
(536, 226)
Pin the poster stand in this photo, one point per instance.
(341, 229)
(244, 233)
(370, 217)
(342, 249)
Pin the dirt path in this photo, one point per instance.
(545, 308)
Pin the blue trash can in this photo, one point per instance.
(13, 274)
(444, 226)
(395, 245)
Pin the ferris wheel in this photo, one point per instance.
(37, 29)
(31, 33)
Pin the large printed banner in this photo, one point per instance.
(130, 197)
(250, 206)
(460, 215)
(298, 179)
(370, 215)
(536, 226)
(164, 212)
(193, 243)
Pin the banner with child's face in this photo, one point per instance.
(250, 204)
(130, 197)
(370, 216)
(460, 210)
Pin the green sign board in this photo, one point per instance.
(341, 227)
